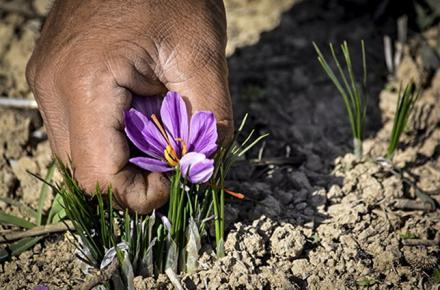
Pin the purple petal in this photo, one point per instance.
(151, 164)
(203, 133)
(41, 287)
(155, 139)
(196, 167)
(144, 134)
(147, 105)
(175, 117)
(135, 124)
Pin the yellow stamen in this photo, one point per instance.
(171, 156)
(184, 147)
(169, 153)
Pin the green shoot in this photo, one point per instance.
(408, 235)
(18, 247)
(353, 93)
(366, 282)
(10, 219)
(405, 104)
(43, 194)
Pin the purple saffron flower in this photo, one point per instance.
(197, 167)
(170, 139)
(41, 287)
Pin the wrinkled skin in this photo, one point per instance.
(94, 55)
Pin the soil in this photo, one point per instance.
(315, 217)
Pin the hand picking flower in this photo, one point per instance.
(169, 139)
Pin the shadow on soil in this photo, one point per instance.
(279, 82)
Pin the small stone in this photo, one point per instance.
(269, 206)
(301, 206)
(300, 180)
(335, 191)
(42, 7)
(300, 196)
(287, 241)
(285, 197)
(300, 268)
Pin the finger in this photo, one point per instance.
(197, 69)
(206, 90)
(100, 150)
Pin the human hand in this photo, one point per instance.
(93, 56)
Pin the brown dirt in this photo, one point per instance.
(321, 221)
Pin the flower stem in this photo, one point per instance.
(217, 216)
(358, 150)
(222, 204)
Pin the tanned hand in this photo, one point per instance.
(93, 56)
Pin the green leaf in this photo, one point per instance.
(355, 96)
(18, 247)
(405, 104)
(172, 256)
(43, 193)
(57, 211)
(192, 247)
(366, 282)
(127, 270)
(9, 219)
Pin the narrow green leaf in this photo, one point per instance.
(9, 219)
(252, 144)
(18, 247)
(57, 211)
(404, 106)
(43, 193)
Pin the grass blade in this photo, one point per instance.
(18, 247)
(405, 104)
(57, 211)
(353, 94)
(43, 193)
(252, 144)
(9, 219)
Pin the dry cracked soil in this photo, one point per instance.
(315, 217)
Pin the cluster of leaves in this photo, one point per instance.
(151, 244)
(355, 94)
(102, 233)
(33, 218)
(405, 104)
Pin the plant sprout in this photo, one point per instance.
(405, 104)
(353, 93)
